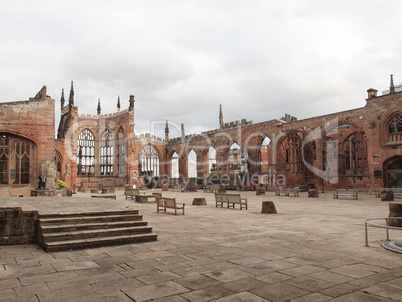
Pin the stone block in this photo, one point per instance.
(268, 207)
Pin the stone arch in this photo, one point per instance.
(393, 172)
(392, 129)
(18, 159)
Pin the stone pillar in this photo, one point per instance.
(395, 210)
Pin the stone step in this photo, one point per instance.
(89, 219)
(68, 231)
(97, 242)
(64, 236)
(52, 228)
(95, 213)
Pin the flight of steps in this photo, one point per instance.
(61, 232)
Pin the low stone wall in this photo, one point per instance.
(18, 226)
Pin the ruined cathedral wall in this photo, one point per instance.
(33, 120)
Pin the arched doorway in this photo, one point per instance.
(393, 173)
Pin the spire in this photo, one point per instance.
(167, 131)
(62, 100)
(99, 107)
(118, 103)
(71, 99)
(220, 117)
(182, 131)
(391, 86)
(131, 107)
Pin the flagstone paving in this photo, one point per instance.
(312, 250)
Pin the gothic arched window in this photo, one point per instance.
(106, 153)
(121, 153)
(86, 153)
(149, 161)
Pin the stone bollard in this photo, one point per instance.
(312, 193)
(165, 188)
(268, 207)
(387, 195)
(395, 210)
(200, 201)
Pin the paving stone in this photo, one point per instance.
(339, 290)
(385, 291)
(316, 297)
(331, 277)
(352, 271)
(242, 297)
(47, 278)
(228, 275)
(309, 283)
(74, 266)
(279, 292)
(243, 284)
(360, 296)
(155, 291)
(9, 283)
(273, 277)
(197, 282)
(157, 277)
(33, 289)
(302, 270)
(68, 294)
(7, 294)
(207, 294)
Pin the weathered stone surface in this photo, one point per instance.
(17, 226)
(387, 195)
(199, 201)
(268, 207)
(313, 193)
(395, 210)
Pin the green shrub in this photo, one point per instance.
(69, 192)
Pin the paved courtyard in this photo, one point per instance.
(312, 250)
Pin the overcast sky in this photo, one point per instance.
(182, 58)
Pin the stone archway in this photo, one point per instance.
(393, 172)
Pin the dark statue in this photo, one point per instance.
(42, 182)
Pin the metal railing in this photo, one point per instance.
(367, 224)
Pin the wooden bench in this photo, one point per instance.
(211, 188)
(230, 199)
(163, 203)
(287, 191)
(346, 193)
(397, 192)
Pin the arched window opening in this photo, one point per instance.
(192, 164)
(175, 165)
(211, 159)
(234, 157)
(59, 161)
(394, 173)
(106, 153)
(395, 129)
(86, 153)
(15, 159)
(121, 153)
(264, 153)
(292, 146)
(149, 161)
(355, 148)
